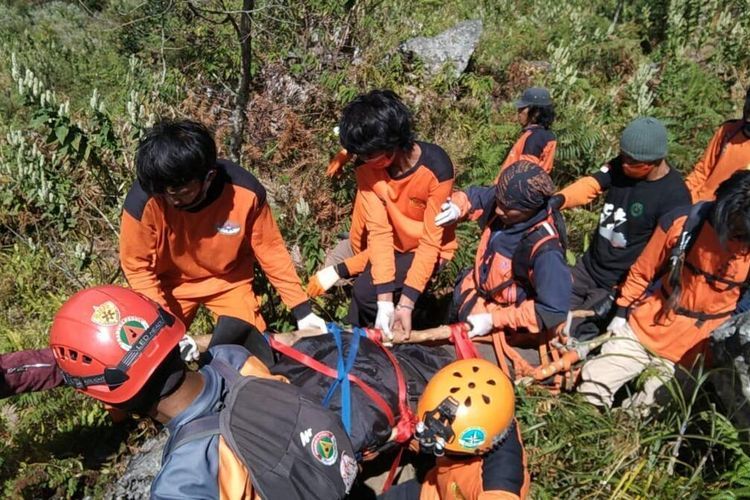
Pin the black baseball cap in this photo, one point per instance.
(534, 96)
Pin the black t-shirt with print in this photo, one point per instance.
(632, 208)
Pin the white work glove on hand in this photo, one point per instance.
(384, 319)
(188, 349)
(310, 321)
(481, 324)
(322, 281)
(618, 326)
(449, 214)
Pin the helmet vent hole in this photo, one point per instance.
(86, 360)
(454, 390)
(467, 402)
(61, 350)
(486, 399)
(475, 369)
(73, 355)
(491, 382)
(472, 385)
(457, 374)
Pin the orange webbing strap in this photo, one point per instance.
(521, 367)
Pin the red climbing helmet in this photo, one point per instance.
(109, 340)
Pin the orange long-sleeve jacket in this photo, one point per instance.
(675, 335)
(728, 151)
(399, 216)
(536, 144)
(209, 249)
(500, 474)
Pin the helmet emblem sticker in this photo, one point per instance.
(324, 448)
(105, 314)
(472, 437)
(348, 469)
(129, 329)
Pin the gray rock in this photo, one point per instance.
(730, 344)
(455, 45)
(140, 471)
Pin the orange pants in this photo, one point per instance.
(239, 302)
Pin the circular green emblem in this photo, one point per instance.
(636, 209)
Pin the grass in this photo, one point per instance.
(605, 62)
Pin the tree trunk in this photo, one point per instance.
(239, 115)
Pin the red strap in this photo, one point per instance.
(392, 473)
(460, 338)
(407, 421)
(319, 367)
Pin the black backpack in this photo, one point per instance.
(292, 447)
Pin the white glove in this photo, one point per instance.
(384, 319)
(449, 214)
(311, 321)
(618, 326)
(189, 349)
(481, 324)
(327, 277)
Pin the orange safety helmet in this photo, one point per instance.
(109, 340)
(467, 407)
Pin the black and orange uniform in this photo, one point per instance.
(399, 233)
(536, 144)
(205, 255)
(728, 152)
(519, 272)
(631, 211)
(712, 280)
(499, 474)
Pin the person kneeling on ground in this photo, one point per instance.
(193, 228)
(466, 420)
(520, 282)
(698, 261)
(229, 432)
(640, 188)
(401, 183)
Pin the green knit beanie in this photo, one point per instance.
(645, 139)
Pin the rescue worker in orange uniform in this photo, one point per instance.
(401, 183)
(537, 143)
(121, 348)
(193, 227)
(699, 259)
(520, 281)
(640, 187)
(728, 151)
(466, 421)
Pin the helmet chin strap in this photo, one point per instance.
(435, 429)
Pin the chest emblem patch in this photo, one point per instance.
(636, 209)
(229, 228)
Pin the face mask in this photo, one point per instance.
(637, 170)
(380, 162)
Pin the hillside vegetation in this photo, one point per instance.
(80, 80)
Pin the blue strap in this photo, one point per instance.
(344, 367)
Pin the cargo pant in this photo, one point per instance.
(621, 360)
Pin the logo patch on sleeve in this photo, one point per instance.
(348, 469)
(324, 448)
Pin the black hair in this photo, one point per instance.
(731, 212)
(542, 115)
(376, 121)
(171, 154)
(166, 379)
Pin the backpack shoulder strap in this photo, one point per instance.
(207, 425)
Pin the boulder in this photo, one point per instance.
(455, 45)
(140, 471)
(730, 344)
